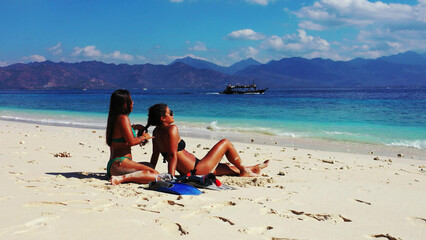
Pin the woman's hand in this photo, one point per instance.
(138, 127)
(145, 137)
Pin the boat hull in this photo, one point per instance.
(260, 91)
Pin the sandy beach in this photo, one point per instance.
(54, 187)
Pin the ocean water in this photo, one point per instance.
(395, 117)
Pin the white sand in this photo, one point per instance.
(304, 194)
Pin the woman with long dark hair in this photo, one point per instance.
(120, 137)
(168, 143)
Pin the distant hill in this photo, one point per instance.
(202, 64)
(98, 75)
(410, 58)
(300, 72)
(402, 70)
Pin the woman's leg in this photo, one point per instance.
(130, 171)
(210, 163)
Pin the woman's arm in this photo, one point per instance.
(126, 131)
(173, 141)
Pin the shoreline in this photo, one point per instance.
(285, 142)
(302, 194)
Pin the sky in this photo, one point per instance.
(220, 31)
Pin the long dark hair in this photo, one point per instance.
(120, 104)
(155, 112)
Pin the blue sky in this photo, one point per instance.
(219, 31)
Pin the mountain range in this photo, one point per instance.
(402, 70)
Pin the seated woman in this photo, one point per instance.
(168, 142)
(120, 136)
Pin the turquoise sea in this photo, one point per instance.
(394, 117)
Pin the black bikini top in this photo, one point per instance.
(181, 146)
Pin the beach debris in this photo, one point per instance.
(295, 149)
(281, 173)
(170, 202)
(278, 238)
(252, 140)
(256, 155)
(389, 237)
(328, 161)
(199, 145)
(21, 142)
(362, 201)
(62, 154)
(81, 143)
(383, 160)
(206, 148)
(141, 207)
(293, 158)
(400, 155)
(276, 143)
(246, 181)
(93, 131)
(321, 217)
(224, 220)
(371, 152)
(100, 136)
(181, 230)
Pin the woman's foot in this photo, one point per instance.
(254, 171)
(115, 180)
(256, 168)
(248, 173)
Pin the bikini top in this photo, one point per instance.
(122, 140)
(181, 146)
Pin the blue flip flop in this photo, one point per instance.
(173, 188)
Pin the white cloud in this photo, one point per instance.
(309, 25)
(245, 34)
(140, 57)
(251, 52)
(172, 58)
(88, 51)
(119, 56)
(34, 58)
(57, 49)
(361, 13)
(384, 28)
(260, 2)
(298, 43)
(273, 42)
(198, 46)
(3, 63)
(243, 53)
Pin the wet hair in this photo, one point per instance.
(120, 104)
(155, 113)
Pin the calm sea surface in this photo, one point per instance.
(379, 116)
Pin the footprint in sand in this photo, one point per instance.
(321, 217)
(100, 208)
(43, 203)
(417, 221)
(255, 230)
(30, 226)
(172, 227)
